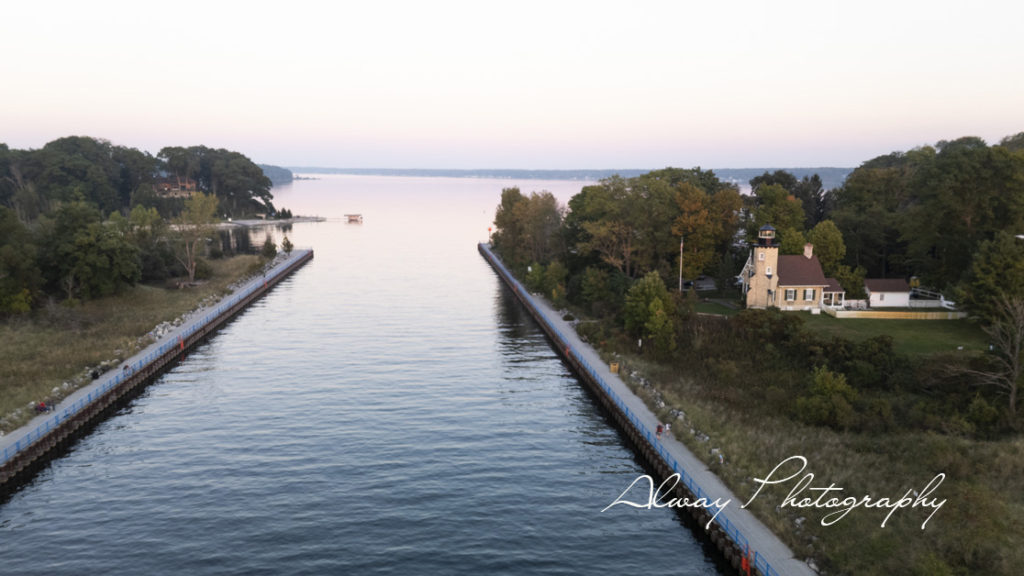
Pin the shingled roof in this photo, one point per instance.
(798, 270)
(886, 285)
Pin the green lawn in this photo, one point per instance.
(914, 337)
(715, 308)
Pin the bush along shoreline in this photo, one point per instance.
(58, 349)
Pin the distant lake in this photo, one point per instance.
(389, 409)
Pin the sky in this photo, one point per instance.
(533, 85)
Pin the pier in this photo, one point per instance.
(25, 449)
(735, 531)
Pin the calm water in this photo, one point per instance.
(388, 409)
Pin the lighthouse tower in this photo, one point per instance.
(761, 274)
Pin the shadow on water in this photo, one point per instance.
(520, 334)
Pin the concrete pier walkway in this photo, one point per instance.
(26, 444)
(770, 556)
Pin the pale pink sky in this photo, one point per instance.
(547, 84)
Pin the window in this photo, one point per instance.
(768, 270)
(790, 294)
(760, 256)
(881, 296)
(809, 294)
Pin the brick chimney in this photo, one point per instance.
(808, 250)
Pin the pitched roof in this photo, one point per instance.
(886, 285)
(832, 285)
(798, 270)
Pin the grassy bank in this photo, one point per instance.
(48, 355)
(977, 531)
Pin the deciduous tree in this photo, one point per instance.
(194, 226)
(1004, 368)
(828, 245)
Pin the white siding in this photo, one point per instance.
(889, 299)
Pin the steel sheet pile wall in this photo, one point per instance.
(723, 533)
(59, 428)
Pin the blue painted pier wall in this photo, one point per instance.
(725, 535)
(24, 450)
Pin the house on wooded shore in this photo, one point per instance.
(887, 292)
(174, 187)
(788, 281)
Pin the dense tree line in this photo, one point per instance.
(949, 215)
(240, 185)
(82, 218)
(932, 212)
(116, 178)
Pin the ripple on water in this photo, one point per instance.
(389, 409)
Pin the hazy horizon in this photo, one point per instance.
(536, 84)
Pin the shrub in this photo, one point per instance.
(269, 249)
(829, 401)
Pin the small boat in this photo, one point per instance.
(354, 218)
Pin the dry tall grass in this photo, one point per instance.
(48, 355)
(978, 530)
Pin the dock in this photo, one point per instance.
(735, 531)
(24, 450)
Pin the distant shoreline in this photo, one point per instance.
(831, 177)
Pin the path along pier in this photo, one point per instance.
(735, 531)
(24, 449)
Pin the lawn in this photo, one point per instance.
(914, 337)
(715, 308)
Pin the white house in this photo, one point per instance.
(887, 292)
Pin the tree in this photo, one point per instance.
(996, 271)
(778, 178)
(510, 228)
(776, 206)
(543, 226)
(695, 227)
(829, 401)
(1005, 369)
(811, 194)
(869, 211)
(235, 180)
(194, 226)
(1015, 142)
(828, 245)
(639, 299)
(78, 168)
(965, 195)
(659, 328)
(269, 250)
(183, 163)
(609, 217)
(136, 170)
(852, 281)
(20, 277)
(148, 231)
(554, 282)
(87, 258)
(791, 241)
(726, 204)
